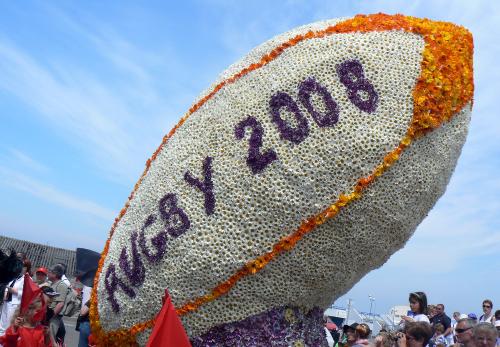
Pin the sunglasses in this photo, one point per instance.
(459, 331)
(487, 306)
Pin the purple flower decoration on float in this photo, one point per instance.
(283, 100)
(281, 326)
(306, 89)
(159, 242)
(256, 160)
(111, 283)
(206, 186)
(176, 220)
(136, 272)
(352, 76)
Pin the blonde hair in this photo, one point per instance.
(439, 328)
(33, 308)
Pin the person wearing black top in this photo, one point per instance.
(441, 317)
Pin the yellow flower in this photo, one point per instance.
(290, 316)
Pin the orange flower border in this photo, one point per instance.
(444, 87)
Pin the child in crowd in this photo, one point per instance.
(26, 329)
(439, 340)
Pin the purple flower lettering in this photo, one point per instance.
(159, 242)
(176, 220)
(256, 160)
(295, 135)
(206, 186)
(331, 117)
(112, 282)
(351, 75)
(135, 272)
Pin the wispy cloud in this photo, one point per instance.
(115, 115)
(119, 52)
(15, 157)
(154, 76)
(82, 110)
(52, 195)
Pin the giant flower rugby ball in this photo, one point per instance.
(304, 166)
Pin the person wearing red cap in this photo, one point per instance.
(41, 277)
(26, 329)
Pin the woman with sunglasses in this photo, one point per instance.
(418, 308)
(488, 316)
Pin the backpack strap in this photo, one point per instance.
(11, 285)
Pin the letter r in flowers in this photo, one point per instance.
(112, 282)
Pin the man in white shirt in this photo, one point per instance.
(63, 277)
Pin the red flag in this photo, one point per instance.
(168, 330)
(30, 292)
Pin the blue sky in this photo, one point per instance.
(87, 90)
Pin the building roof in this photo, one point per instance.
(41, 255)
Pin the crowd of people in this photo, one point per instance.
(40, 323)
(33, 304)
(424, 325)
